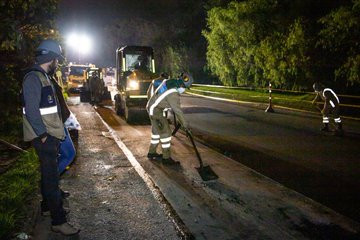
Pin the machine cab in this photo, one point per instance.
(134, 64)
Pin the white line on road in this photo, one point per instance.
(155, 190)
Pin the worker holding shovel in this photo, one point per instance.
(165, 96)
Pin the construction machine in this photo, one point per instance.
(94, 89)
(76, 78)
(135, 69)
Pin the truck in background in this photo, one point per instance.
(94, 89)
(77, 77)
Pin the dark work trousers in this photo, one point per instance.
(50, 191)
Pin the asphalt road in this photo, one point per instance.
(285, 146)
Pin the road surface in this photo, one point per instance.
(285, 146)
(241, 204)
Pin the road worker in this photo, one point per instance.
(166, 96)
(155, 83)
(331, 106)
(43, 126)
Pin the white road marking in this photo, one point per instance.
(155, 190)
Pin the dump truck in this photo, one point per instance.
(94, 89)
(77, 77)
(135, 69)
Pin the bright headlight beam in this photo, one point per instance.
(82, 43)
(134, 85)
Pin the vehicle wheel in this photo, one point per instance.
(119, 111)
(84, 96)
(106, 95)
(129, 114)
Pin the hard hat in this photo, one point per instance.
(164, 75)
(318, 87)
(187, 79)
(47, 51)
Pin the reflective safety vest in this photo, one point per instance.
(333, 98)
(48, 110)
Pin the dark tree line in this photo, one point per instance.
(291, 43)
(23, 23)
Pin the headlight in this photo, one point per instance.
(133, 85)
(80, 85)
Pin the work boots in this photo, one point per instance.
(325, 128)
(154, 156)
(170, 161)
(65, 229)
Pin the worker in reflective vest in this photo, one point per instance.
(166, 96)
(331, 106)
(44, 127)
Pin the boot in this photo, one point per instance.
(170, 161)
(65, 229)
(154, 156)
(64, 194)
(325, 128)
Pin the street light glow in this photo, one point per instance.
(80, 43)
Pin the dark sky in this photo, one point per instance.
(92, 16)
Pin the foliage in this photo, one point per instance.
(18, 185)
(23, 23)
(289, 43)
(340, 36)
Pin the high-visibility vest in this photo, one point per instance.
(48, 110)
(333, 99)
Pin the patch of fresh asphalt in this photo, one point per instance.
(109, 200)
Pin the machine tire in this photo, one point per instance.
(119, 111)
(84, 96)
(129, 114)
(106, 95)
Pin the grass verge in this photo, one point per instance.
(18, 186)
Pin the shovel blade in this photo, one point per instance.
(206, 173)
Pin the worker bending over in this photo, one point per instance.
(165, 96)
(331, 105)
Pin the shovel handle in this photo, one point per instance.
(188, 133)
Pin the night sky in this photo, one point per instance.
(93, 16)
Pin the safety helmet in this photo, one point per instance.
(318, 87)
(164, 75)
(187, 79)
(47, 51)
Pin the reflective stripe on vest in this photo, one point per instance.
(328, 89)
(162, 96)
(45, 111)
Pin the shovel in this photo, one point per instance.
(177, 127)
(206, 173)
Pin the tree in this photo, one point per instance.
(23, 23)
(340, 38)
